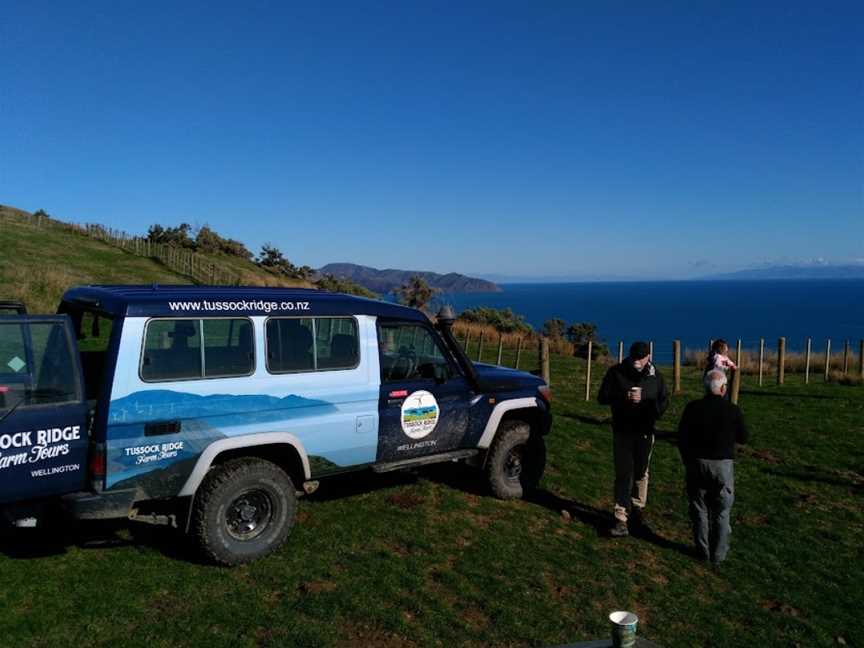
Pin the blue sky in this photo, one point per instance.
(521, 139)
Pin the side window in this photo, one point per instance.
(229, 346)
(37, 366)
(312, 344)
(190, 349)
(409, 352)
(336, 342)
(172, 350)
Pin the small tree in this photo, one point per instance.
(209, 241)
(415, 292)
(554, 328)
(177, 236)
(579, 333)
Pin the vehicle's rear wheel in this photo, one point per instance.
(244, 510)
(516, 460)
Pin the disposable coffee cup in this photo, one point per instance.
(636, 391)
(623, 629)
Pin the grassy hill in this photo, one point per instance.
(39, 262)
(429, 558)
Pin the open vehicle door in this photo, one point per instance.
(43, 414)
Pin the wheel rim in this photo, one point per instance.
(513, 464)
(249, 514)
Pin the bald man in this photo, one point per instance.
(709, 429)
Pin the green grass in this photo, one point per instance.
(37, 264)
(431, 559)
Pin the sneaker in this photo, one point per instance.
(619, 530)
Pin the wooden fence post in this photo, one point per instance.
(861, 359)
(676, 366)
(736, 384)
(467, 340)
(500, 347)
(518, 352)
(761, 358)
(781, 360)
(620, 352)
(827, 358)
(480, 346)
(807, 362)
(846, 357)
(544, 360)
(588, 372)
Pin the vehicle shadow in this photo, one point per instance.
(359, 483)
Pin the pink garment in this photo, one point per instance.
(722, 362)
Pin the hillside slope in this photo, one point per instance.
(39, 262)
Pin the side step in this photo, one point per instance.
(454, 455)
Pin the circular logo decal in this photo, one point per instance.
(419, 414)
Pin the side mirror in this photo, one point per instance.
(441, 374)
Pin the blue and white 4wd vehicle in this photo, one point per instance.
(213, 408)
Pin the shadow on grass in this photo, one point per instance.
(57, 537)
(814, 474)
(359, 483)
(589, 420)
(602, 521)
(795, 395)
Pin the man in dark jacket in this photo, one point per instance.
(635, 391)
(707, 434)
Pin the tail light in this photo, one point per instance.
(545, 393)
(96, 465)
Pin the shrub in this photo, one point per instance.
(209, 241)
(330, 283)
(502, 320)
(176, 236)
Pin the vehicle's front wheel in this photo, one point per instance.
(244, 510)
(516, 460)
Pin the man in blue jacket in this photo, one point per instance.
(707, 434)
(635, 391)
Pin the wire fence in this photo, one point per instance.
(188, 263)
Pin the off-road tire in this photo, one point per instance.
(514, 439)
(216, 504)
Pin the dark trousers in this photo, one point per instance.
(632, 454)
(711, 491)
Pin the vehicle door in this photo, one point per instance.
(424, 401)
(43, 414)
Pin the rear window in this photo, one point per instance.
(190, 349)
(37, 366)
(312, 344)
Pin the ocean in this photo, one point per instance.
(693, 311)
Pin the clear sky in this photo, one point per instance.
(521, 139)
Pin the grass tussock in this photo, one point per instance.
(40, 292)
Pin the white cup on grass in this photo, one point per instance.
(623, 628)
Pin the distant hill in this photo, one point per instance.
(385, 281)
(848, 271)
